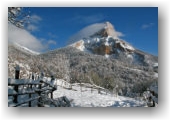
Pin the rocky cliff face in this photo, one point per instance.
(108, 30)
(102, 50)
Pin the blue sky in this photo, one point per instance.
(55, 25)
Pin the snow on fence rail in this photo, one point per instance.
(17, 87)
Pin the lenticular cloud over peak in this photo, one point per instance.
(92, 29)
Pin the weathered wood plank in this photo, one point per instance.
(23, 92)
(11, 90)
(14, 82)
(67, 101)
(26, 101)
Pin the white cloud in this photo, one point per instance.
(92, 29)
(35, 18)
(51, 35)
(116, 34)
(32, 27)
(52, 42)
(24, 38)
(145, 26)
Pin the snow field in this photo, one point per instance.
(87, 97)
(84, 95)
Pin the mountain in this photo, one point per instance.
(95, 55)
(104, 40)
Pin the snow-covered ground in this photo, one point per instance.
(91, 98)
(86, 95)
(106, 55)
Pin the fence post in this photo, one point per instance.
(29, 104)
(92, 87)
(39, 99)
(52, 94)
(29, 101)
(52, 81)
(42, 75)
(99, 92)
(17, 71)
(15, 96)
(52, 78)
(33, 76)
(39, 93)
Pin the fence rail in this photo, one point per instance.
(41, 88)
(14, 82)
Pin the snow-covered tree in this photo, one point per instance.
(17, 16)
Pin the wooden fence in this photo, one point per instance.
(18, 87)
(35, 90)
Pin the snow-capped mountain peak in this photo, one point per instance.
(103, 39)
(100, 38)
